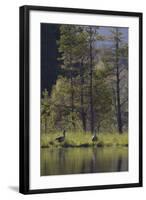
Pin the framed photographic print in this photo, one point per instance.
(80, 99)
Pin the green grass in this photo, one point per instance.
(79, 139)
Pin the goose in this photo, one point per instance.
(94, 137)
(61, 138)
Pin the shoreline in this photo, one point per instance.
(84, 146)
(82, 140)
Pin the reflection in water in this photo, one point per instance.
(83, 160)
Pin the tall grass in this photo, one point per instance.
(80, 139)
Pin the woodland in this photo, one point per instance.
(90, 96)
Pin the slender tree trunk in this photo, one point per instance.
(72, 94)
(83, 114)
(119, 118)
(45, 124)
(91, 83)
(114, 95)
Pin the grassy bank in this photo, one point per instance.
(84, 140)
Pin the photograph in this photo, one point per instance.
(80, 99)
(84, 99)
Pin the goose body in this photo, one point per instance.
(94, 138)
(61, 138)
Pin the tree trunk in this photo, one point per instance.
(45, 124)
(119, 118)
(72, 94)
(83, 114)
(91, 83)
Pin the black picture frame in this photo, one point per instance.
(25, 105)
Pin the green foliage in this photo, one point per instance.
(69, 104)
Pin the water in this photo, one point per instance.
(83, 160)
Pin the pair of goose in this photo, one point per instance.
(62, 138)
